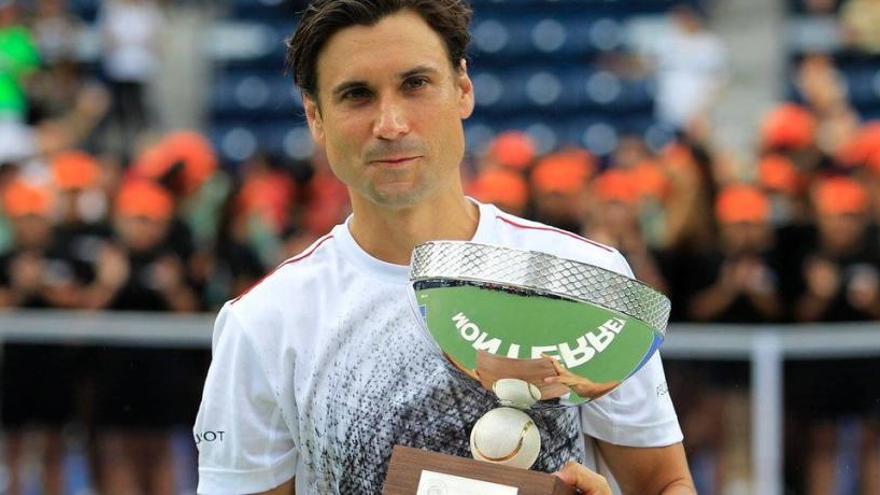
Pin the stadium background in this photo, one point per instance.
(153, 157)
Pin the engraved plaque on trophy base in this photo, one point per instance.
(417, 472)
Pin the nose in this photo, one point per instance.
(391, 123)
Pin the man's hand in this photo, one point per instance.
(27, 272)
(580, 385)
(586, 481)
(823, 278)
(113, 267)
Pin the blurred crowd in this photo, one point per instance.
(857, 21)
(101, 209)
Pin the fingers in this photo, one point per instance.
(564, 380)
(558, 367)
(586, 481)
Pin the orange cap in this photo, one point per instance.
(22, 199)
(863, 147)
(143, 198)
(789, 126)
(616, 185)
(742, 203)
(779, 174)
(187, 147)
(874, 162)
(564, 172)
(501, 186)
(839, 196)
(75, 170)
(269, 195)
(512, 149)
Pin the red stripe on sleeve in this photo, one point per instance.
(554, 229)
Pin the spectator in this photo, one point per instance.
(18, 61)
(558, 182)
(691, 70)
(82, 226)
(689, 227)
(264, 205)
(185, 164)
(842, 275)
(860, 20)
(784, 186)
(824, 91)
(841, 279)
(234, 265)
(863, 149)
(131, 33)
(651, 183)
(788, 127)
(37, 379)
(739, 282)
(325, 198)
(791, 131)
(139, 270)
(820, 84)
(613, 220)
(511, 149)
(61, 96)
(506, 189)
(141, 392)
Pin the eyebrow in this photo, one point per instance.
(345, 86)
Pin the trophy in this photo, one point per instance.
(538, 331)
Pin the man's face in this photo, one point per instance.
(140, 233)
(841, 232)
(745, 238)
(389, 111)
(32, 232)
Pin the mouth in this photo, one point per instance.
(396, 162)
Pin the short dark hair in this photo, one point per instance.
(323, 18)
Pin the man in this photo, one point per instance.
(319, 370)
(558, 183)
(140, 390)
(840, 281)
(34, 273)
(739, 283)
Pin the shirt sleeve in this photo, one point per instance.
(244, 442)
(638, 413)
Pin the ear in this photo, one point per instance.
(313, 118)
(466, 91)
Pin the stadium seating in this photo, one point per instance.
(534, 65)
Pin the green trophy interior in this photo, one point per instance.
(591, 341)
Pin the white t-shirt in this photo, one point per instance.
(318, 371)
(130, 30)
(691, 67)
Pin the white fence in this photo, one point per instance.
(765, 347)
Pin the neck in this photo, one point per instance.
(391, 234)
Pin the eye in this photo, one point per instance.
(356, 94)
(416, 82)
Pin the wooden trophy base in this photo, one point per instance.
(468, 476)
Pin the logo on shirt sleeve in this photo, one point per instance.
(209, 436)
